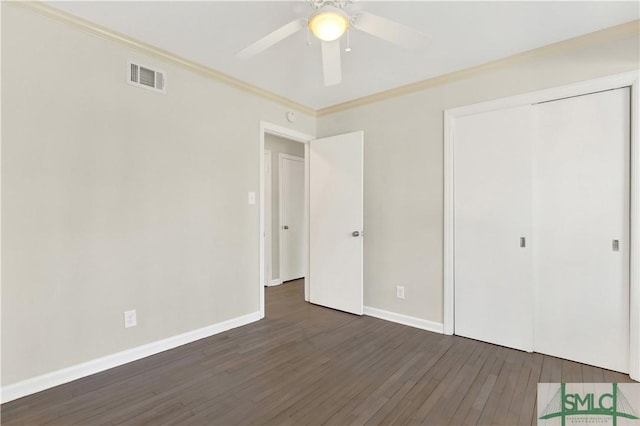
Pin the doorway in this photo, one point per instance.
(335, 229)
(276, 140)
(284, 210)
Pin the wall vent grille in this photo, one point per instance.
(146, 77)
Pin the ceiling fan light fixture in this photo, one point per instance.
(329, 24)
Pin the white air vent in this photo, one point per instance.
(147, 77)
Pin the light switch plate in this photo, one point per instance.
(252, 198)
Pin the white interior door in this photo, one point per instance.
(292, 226)
(336, 222)
(492, 186)
(581, 242)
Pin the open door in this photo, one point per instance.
(336, 222)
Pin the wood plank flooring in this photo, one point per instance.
(308, 365)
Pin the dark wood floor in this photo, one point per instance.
(307, 365)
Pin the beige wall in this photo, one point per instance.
(278, 145)
(403, 159)
(116, 198)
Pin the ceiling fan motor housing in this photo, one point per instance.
(340, 4)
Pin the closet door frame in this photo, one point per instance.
(630, 79)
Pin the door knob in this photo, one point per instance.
(286, 227)
(355, 233)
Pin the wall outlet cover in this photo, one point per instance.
(130, 318)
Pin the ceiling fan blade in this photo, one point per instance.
(331, 65)
(272, 38)
(389, 30)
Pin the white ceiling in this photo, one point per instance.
(462, 34)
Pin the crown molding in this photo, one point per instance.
(161, 54)
(606, 35)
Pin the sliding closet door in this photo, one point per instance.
(492, 185)
(580, 245)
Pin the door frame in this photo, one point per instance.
(268, 237)
(628, 79)
(285, 156)
(296, 136)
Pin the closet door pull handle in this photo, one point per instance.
(523, 242)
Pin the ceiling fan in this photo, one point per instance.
(328, 22)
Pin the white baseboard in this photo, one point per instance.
(274, 282)
(55, 378)
(423, 324)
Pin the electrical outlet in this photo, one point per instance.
(400, 292)
(130, 319)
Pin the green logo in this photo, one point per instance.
(613, 404)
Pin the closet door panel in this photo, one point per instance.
(581, 214)
(492, 187)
